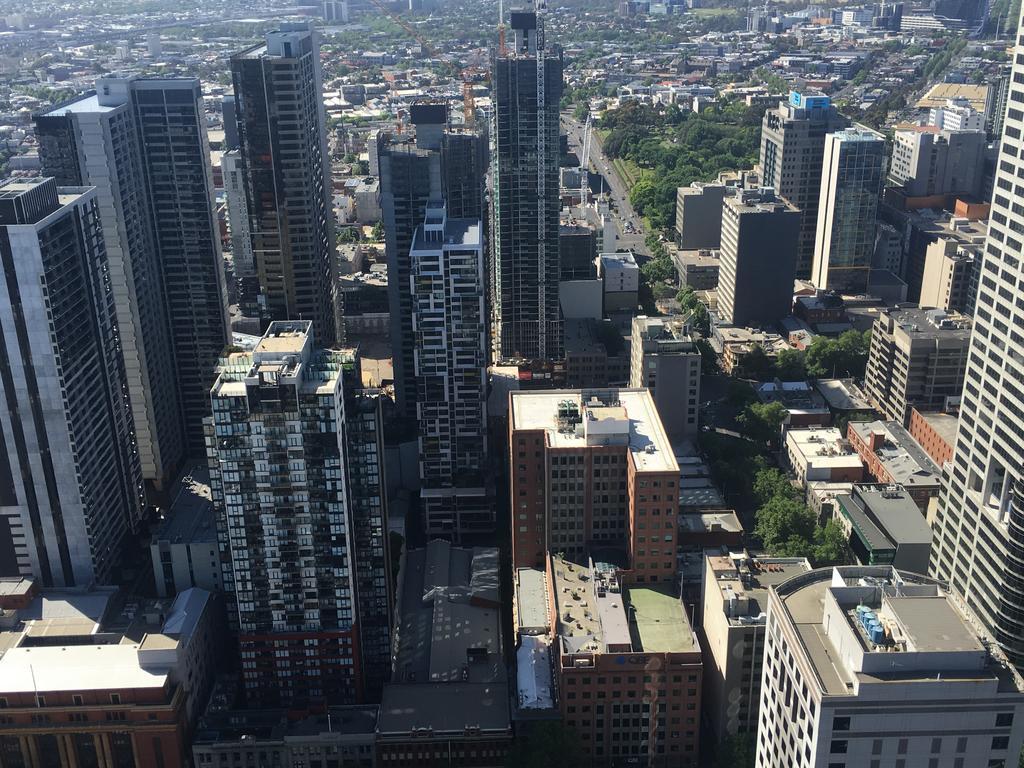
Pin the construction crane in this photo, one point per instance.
(427, 47)
(585, 164)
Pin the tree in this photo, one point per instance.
(769, 483)
(582, 111)
(785, 526)
(755, 364)
(845, 356)
(377, 233)
(708, 357)
(790, 365)
(545, 744)
(831, 546)
(738, 751)
(762, 421)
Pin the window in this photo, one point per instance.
(1000, 742)
(115, 698)
(840, 723)
(838, 747)
(1004, 719)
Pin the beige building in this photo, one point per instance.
(867, 666)
(917, 359)
(951, 263)
(735, 600)
(665, 360)
(822, 454)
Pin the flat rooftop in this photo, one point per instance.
(901, 455)
(937, 95)
(443, 708)
(843, 395)
(645, 437)
(932, 324)
(76, 668)
(824, 446)
(748, 578)
(944, 425)
(888, 511)
(660, 622)
(84, 105)
(531, 598)
(190, 518)
(458, 232)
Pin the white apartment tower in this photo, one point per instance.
(868, 666)
(446, 282)
(70, 480)
(979, 525)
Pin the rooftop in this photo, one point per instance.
(578, 418)
(76, 668)
(929, 324)
(885, 515)
(899, 453)
(449, 616)
(83, 105)
(190, 518)
(722, 521)
(443, 708)
(531, 599)
(743, 582)
(843, 395)
(939, 93)
(944, 424)
(461, 232)
(274, 725)
(796, 396)
(597, 614)
(824, 446)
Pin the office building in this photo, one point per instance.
(450, 360)
(950, 278)
(760, 237)
(448, 693)
(286, 169)
(893, 457)
(928, 161)
(822, 454)
(957, 114)
(698, 270)
(851, 181)
(142, 143)
(665, 360)
(413, 172)
(699, 216)
(917, 359)
(884, 526)
(735, 610)
(870, 666)
(277, 472)
(979, 524)
(792, 147)
(71, 486)
(527, 88)
(645, 708)
(592, 468)
(577, 249)
(108, 686)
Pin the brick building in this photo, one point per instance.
(892, 456)
(936, 433)
(592, 468)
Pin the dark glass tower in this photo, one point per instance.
(284, 162)
(524, 230)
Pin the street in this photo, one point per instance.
(613, 185)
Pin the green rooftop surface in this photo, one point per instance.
(660, 621)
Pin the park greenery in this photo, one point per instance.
(762, 422)
(674, 147)
(787, 527)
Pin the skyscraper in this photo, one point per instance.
(979, 525)
(449, 326)
(442, 162)
(154, 191)
(277, 473)
(285, 165)
(70, 479)
(525, 209)
(851, 181)
(792, 145)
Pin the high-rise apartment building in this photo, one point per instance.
(760, 235)
(917, 359)
(450, 357)
(525, 209)
(792, 147)
(278, 477)
(155, 192)
(665, 359)
(871, 666)
(373, 584)
(283, 147)
(592, 468)
(70, 479)
(242, 259)
(979, 525)
(851, 181)
(441, 160)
